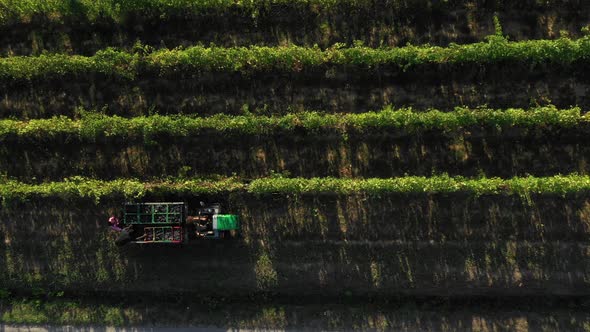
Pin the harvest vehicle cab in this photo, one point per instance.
(169, 222)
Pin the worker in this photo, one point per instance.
(124, 233)
(114, 223)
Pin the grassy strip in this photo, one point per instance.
(193, 60)
(14, 11)
(63, 312)
(93, 126)
(74, 188)
(552, 314)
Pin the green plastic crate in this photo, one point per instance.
(154, 213)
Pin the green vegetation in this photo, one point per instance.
(93, 126)
(65, 312)
(410, 315)
(558, 184)
(82, 188)
(56, 10)
(12, 11)
(197, 59)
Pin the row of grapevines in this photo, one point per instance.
(82, 188)
(94, 126)
(245, 60)
(14, 11)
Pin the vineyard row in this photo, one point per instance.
(130, 189)
(289, 59)
(93, 126)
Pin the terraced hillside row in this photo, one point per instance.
(373, 144)
(245, 60)
(303, 236)
(312, 233)
(402, 122)
(357, 168)
(227, 80)
(84, 27)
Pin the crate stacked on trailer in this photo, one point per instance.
(161, 222)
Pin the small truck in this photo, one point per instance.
(169, 222)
